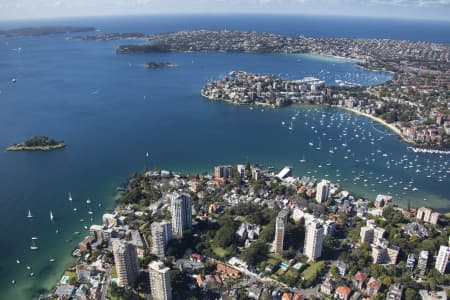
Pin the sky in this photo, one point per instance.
(39, 9)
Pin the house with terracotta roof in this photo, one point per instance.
(286, 296)
(227, 271)
(196, 257)
(342, 292)
(359, 279)
(373, 286)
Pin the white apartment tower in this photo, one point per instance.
(125, 258)
(313, 240)
(442, 259)
(161, 235)
(159, 281)
(181, 207)
(322, 191)
(366, 234)
(280, 231)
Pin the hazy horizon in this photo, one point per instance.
(438, 10)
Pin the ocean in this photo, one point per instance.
(111, 111)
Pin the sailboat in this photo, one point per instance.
(291, 126)
(51, 216)
(33, 246)
(70, 196)
(29, 216)
(303, 159)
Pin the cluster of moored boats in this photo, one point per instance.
(340, 136)
(34, 240)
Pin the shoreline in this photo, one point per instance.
(16, 148)
(378, 120)
(335, 57)
(393, 128)
(116, 207)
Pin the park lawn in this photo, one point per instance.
(313, 270)
(280, 272)
(220, 252)
(273, 261)
(70, 274)
(291, 273)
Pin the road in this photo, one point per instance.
(305, 292)
(105, 283)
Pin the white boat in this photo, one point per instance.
(34, 238)
(51, 216)
(13, 281)
(31, 274)
(70, 196)
(90, 212)
(303, 159)
(88, 201)
(18, 261)
(74, 209)
(33, 246)
(51, 260)
(28, 267)
(319, 145)
(29, 216)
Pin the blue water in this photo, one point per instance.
(110, 111)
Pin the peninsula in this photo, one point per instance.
(41, 143)
(159, 65)
(249, 230)
(415, 101)
(43, 30)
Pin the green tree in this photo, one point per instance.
(256, 253)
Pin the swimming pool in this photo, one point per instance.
(64, 279)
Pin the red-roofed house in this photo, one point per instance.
(359, 279)
(343, 292)
(196, 257)
(297, 297)
(286, 296)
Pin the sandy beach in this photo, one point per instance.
(379, 120)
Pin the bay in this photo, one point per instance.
(111, 111)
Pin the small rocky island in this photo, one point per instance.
(42, 143)
(159, 65)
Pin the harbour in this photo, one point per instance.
(113, 130)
